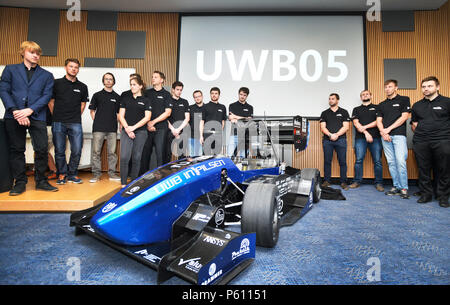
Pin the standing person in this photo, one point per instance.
(135, 111)
(391, 121)
(179, 118)
(104, 108)
(67, 105)
(431, 141)
(212, 124)
(238, 111)
(195, 117)
(25, 90)
(157, 127)
(367, 135)
(334, 123)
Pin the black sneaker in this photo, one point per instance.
(443, 202)
(404, 194)
(394, 191)
(18, 189)
(424, 199)
(45, 186)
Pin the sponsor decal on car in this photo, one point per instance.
(191, 264)
(244, 249)
(109, 207)
(214, 240)
(213, 275)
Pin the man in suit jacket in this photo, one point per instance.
(25, 90)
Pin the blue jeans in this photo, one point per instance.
(340, 145)
(396, 153)
(375, 150)
(195, 147)
(75, 134)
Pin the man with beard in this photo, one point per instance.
(367, 136)
(391, 121)
(334, 123)
(431, 141)
(212, 123)
(67, 105)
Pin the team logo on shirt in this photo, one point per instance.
(141, 103)
(160, 96)
(371, 108)
(77, 90)
(396, 105)
(437, 108)
(113, 100)
(219, 110)
(338, 114)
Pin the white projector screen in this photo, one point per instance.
(290, 63)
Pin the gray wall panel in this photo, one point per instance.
(397, 21)
(43, 28)
(102, 21)
(403, 70)
(130, 44)
(99, 62)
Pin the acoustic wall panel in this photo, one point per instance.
(401, 69)
(43, 28)
(99, 62)
(130, 44)
(102, 21)
(398, 21)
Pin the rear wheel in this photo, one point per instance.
(260, 213)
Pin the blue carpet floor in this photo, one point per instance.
(332, 244)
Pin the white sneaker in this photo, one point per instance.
(114, 177)
(94, 179)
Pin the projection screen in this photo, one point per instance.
(290, 63)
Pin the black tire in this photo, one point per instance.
(309, 174)
(260, 213)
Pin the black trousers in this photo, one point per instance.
(438, 151)
(158, 140)
(17, 143)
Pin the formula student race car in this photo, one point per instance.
(178, 218)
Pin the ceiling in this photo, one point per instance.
(186, 6)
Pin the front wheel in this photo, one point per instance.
(260, 213)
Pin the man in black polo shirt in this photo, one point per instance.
(367, 135)
(195, 118)
(391, 121)
(431, 141)
(334, 123)
(104, 107)
(161, 103)
(238, 111)
(212, 124)
(178, 119)
(69, 100)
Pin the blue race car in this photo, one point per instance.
(175, 218)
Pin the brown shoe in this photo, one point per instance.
(325, 184)
(379, 187)
(354, 185)
(344, 186)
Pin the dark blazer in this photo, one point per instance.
(16, 91)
